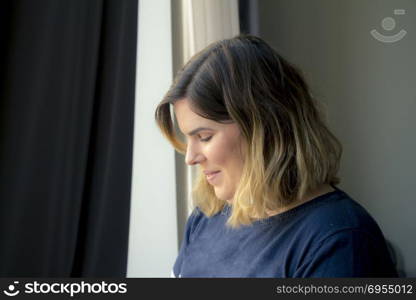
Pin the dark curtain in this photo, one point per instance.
(248, 13)
(67, 70)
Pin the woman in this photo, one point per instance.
(266, 204)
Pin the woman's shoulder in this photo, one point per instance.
(195, 217)
(338, 212)
(194, 220)
(345, 237)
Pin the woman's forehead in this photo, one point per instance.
(188, 120)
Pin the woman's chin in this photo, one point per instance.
(223, 196)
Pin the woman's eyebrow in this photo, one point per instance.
(195, 131)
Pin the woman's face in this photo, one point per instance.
(216, 147)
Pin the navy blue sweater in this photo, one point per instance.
(329, 236)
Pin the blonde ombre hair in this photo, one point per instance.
(288, 148)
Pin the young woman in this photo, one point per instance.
(266, 201)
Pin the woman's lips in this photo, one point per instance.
(211, 176)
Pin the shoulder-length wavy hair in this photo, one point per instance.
(289, 149)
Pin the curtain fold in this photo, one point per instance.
(248, 12)
(66, 132)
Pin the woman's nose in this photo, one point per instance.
(192, 157)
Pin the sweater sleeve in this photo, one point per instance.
(349, 253)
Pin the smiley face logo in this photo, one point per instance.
(11, 291)
(389, 24)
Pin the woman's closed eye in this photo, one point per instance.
(205, 139)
